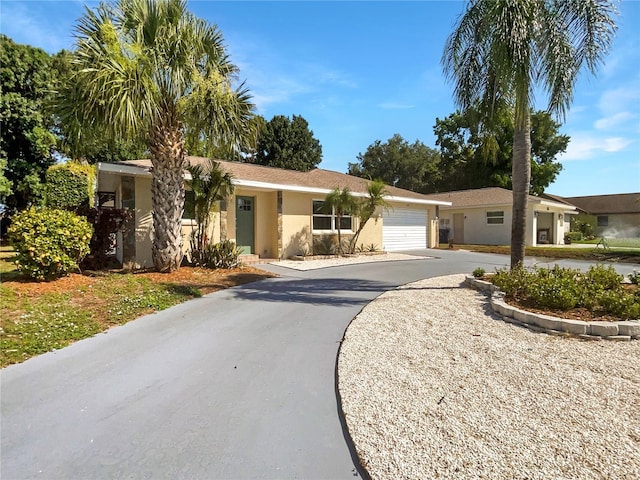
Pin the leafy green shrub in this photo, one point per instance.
(69, 186)
(221, 255)
(634, 277)
(513, 282)
(49, 243)
(479, 272)
(599, 289)
(625, 305)
(599, 277)
(555, 288)
(571, 237)
(585, 224)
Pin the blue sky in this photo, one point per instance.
(363, 71)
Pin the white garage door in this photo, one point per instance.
(404, 229)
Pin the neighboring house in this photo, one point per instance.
(274, 213)
(617, 215)
(483, 217)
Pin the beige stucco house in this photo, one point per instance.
(617, 215)
(274, 213)
(483, 217)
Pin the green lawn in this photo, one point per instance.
(38, 317)
(613, 254)
(613, 242)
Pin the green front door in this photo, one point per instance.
(245, 206)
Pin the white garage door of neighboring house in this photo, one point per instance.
(404, 229)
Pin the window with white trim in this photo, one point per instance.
(325, 219)
(495, 218)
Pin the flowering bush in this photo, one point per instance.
(49, 243)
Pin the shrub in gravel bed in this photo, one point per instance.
(599, 290)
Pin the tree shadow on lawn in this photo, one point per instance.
(328, 291)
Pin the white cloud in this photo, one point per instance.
(618, 100)
(584, 146)
(617, 119)
(274, 79)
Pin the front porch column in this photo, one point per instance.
(223, 219)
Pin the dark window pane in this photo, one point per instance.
(189, 205)
(320, 207)
(321, 223)
(603, 220)
(107, 199)
(345, 223)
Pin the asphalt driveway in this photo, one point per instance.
(237, 384)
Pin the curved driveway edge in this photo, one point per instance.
(434, 385)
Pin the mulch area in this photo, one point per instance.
(205, 280)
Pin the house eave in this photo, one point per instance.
(324, 191)
(121, 169)
(563, 206)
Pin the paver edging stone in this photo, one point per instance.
(597, 330)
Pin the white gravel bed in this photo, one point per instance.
(434, 386)
(338, 261)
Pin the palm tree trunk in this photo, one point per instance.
(520, 178)
(167, 190)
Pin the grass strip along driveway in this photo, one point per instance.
(38, 317)
(611, 254)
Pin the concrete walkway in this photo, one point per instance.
(237, 384)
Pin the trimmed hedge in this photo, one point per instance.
(49, 242)
(69, 186)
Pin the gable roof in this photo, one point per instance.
(482, 197)
(604, 204)
(315, 181)
(556, 198)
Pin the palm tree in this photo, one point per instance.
(209, 186)
(151, 69)
(366, 207)
(501, 50)
(343, 203)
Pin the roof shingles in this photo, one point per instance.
(317, 178)
(608, 204)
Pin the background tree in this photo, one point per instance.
(474, 157)
(501, 51)
(26, 142)
(400, 164)
(5, 183)
(145, 70)
(289, 144)
(244, 152)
